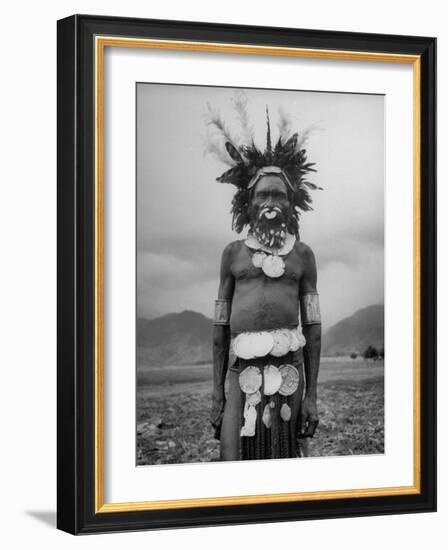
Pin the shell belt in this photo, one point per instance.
(269, 380)
(279, 342)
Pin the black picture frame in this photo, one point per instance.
(76, 285)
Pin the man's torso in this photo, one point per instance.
(261, 302)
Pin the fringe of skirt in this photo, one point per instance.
(277, 441)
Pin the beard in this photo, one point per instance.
(269, 226)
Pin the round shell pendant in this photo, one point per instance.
(273, 266)
(258, 259)
(282, 342)
(290, 380)
(300, 336)
(295, 342)
(250, 380)
(262, 343)
(272, 380)
(242, 346)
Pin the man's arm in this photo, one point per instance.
(311, 326)
(221, 338)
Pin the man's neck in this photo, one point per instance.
(256, 244)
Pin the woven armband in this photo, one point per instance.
(222, 312)
(309, 309)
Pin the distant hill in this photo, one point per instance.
(186, 338)
(355, 333)
(174, 339)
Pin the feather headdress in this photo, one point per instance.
(245, 160)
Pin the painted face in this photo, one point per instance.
(269, 210)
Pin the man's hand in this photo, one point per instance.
(217, 412)
(308, 417)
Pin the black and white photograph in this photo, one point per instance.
(220, 266)
(260, 274)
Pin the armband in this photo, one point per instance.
(222, 312)
(309, 309)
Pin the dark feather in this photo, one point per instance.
(226, 176)
(253, 156)
(268, 137)
(278, 147)
(290, 145)
(312, 186)
(237, 176)
(233, 152)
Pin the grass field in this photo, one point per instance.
(173, 406)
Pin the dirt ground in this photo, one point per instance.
(173, 406)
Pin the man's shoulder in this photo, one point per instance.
(233, 248)
(303, 250)
(306, 258)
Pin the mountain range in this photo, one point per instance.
(174, 339)
(185, 338)
(355, 333)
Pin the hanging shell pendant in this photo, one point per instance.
(273, 266)
(285, 412)
(272, 380)
(267, 419)
(253, 398)
(258, 259)
(250, 418)
(250, 380)
(290, 380)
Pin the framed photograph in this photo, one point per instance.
(246, 274)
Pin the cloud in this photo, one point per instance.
(350, 248)
(167, 271)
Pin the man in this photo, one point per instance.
(267, 330)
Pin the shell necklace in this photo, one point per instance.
(268, 259)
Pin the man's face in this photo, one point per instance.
(269, 211)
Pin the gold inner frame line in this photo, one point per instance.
(101, 42)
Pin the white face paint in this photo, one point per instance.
(269, 213)
(269, 231)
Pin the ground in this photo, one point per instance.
(173, 405)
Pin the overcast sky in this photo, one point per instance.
(183, 214)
